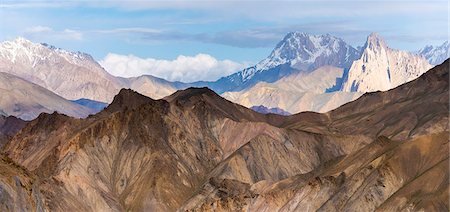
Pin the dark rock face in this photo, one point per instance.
(196, 151)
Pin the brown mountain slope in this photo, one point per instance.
(405, 109)
(130, 157)
(196, 151)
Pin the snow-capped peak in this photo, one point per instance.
(299, 48)
(374, 42)
(435, 55)
(382, 68)
(27, 51)
(306, 52)
(20, 47)
(22, 40)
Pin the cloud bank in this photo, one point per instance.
(183, 68)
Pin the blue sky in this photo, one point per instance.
(240, 31)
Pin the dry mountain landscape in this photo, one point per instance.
(304, 72)
(195, 151)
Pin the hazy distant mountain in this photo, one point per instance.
(382, 68)
(26, 100)
(302, 91)
(297, 52)
(153, 87)
(265, 110)
(195, 151)
(436, 55)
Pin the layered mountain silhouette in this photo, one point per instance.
(27, 100)
(196, 151)
(287, 79)
(329, 85)
(72, 75)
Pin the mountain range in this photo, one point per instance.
(296, 52)
(378, 67)
(72, 75)
(196, 151)
(302, 91)
(436, 54)
(278, 81)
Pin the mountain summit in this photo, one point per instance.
(375, 42)
(307, 52)
(297, 52)
(383, 68)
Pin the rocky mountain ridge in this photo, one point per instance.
(196, 151)
(75, 75)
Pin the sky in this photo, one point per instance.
(204, 40)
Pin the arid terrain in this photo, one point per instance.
(196, 151)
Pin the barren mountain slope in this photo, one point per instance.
(405, 167)
(26, 100)
(298, 92)
(196, 151)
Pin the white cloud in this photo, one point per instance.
(183, 68)
(45, 32)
